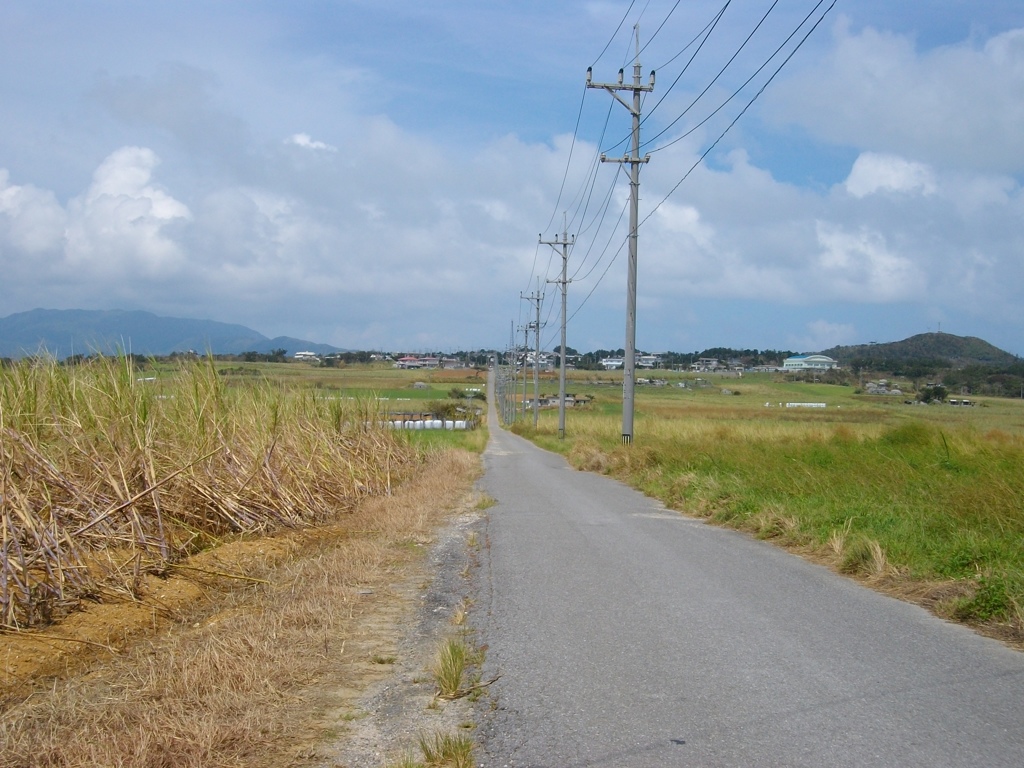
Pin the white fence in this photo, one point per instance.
(431, 424)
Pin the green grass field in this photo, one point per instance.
(927, 499)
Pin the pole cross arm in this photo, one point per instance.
(612, 88)
(626, 159)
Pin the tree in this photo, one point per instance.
(443, 409)
(928, 394)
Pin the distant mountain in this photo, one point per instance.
(63, 332)
(954, 351)
(292, 345)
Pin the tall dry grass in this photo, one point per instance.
(264, 676)
(105, 476)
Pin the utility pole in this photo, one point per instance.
(565, 243)
(509, 377)
(526, 345)
(634, 160)
(537, 298)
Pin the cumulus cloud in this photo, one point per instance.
(873, 172)
(118, 224)
(31, 219)
(859, 265)
(684, 221)
(958, 106)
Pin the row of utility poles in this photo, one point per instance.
(634, 161)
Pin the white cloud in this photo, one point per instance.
(117, 226)
(115, 229)
(372, 211)
(31, 219)
(859, 266)
(305, 141)
(684, 221)
(873, 172)
(957, 106)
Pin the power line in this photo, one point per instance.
(660, 27)
(706, 33)
(695, 38)
(533, 269)
(591, 178)
(568, 162)
(586, 256)
(735, 93)
(745, 108)
(714, 80)
(600, 280)
(710, 30)
(615, 33)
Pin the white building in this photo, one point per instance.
(648, 361)
(809, 363)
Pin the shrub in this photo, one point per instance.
(990, 601)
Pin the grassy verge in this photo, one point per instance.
(929, 507)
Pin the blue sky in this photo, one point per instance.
(375, 173)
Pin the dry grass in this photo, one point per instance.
(863, 556)
(237, 687)
(453, 657)
(446, 750)
(105, 477)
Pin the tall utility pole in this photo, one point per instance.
(565, 243)
(526, 345)
(537, 298)
(634, 160)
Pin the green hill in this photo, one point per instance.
(943, 350)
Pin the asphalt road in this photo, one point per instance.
(628, 635)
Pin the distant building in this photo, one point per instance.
(639, 361)
(705, 364)
(648, 361)
(410, 362)
(809, 363)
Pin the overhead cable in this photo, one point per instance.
(742, 112)
(615, 33)
(706, 33)
(746, 82)
(568, 163)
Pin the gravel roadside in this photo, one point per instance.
(393, 712)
